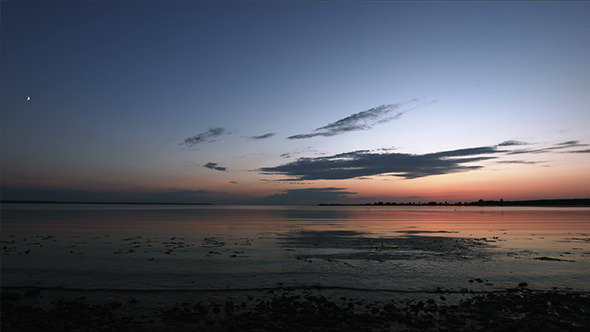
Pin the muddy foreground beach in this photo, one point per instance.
(307, 309)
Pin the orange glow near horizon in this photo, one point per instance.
(542, 183)
(564, 178)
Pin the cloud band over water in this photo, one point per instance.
(409, 166)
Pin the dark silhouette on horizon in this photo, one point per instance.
(575, 202)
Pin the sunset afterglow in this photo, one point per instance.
(296, 102)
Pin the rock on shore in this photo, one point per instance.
(513, 310)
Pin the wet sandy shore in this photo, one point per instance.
(307, 309)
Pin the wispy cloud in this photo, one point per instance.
(512, 143)
(365, 163)
(563, 147)
(581, 151)
(524, 162)
(571, 143)
(264, 136)
(359, 121)
(297, 152)
(214, 166)
(205, 137)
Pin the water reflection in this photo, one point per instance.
(291, 214)
(222, 246)
(360, 245)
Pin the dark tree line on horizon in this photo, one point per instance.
(481, 202)
(577, 202)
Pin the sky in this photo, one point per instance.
(294, 102)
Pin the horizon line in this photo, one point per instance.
(559, 202)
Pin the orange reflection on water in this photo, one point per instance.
(513, 227)
(504, 222)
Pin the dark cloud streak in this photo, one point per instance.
(581, 151)
(359, 121)
(556, 147)
(265, 136)
(512, 143)
(214, 166)
(206, 137)
(364, 163)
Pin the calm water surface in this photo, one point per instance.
(216, 248)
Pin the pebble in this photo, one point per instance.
(511, 310)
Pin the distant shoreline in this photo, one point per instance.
(578, 202)
(103, 203)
